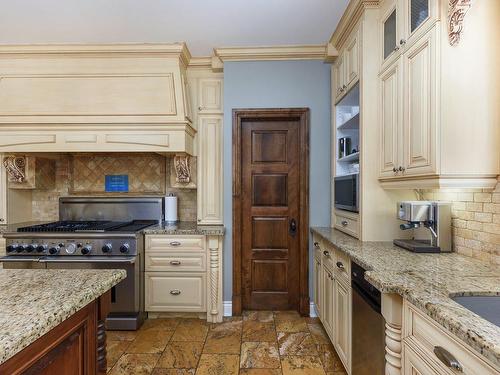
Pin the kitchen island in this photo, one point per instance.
(52, 321)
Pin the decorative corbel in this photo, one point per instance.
(16, 168)
(457, 9)
(183, 172)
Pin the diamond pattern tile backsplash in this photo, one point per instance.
(84, 174)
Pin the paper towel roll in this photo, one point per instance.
(171, 209)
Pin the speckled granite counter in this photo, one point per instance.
(428, 281)
(186, 227)
(32, 302)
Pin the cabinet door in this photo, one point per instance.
(339, 77)
(342, 313)
(391, 120)
(317, 286)
(327, 301)
(390, 29)
(210, 170)
(210, 95)
(351, 56)
(419, 107)
(3, 192)
(413, 364)
(419, 17)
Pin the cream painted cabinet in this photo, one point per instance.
(413, 364)
(3, 193)
(210, 175)
(338, 77)
(210, 95)
(327, 312)
(317, 285)
(342, 330)
(346, 67)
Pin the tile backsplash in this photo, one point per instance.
(475, 221)
(83, 174)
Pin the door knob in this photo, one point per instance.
(293, 227)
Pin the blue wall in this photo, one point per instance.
(275, 84)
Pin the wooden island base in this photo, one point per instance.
(77, 346)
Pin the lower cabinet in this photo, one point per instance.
(332, 297)
(413, 364)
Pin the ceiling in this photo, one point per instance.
(203, 25)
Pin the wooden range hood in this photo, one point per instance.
(95, 98)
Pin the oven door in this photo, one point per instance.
(126, 296)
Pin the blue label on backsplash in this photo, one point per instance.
(114, 183)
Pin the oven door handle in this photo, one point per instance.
(127, 260)
(7, 259)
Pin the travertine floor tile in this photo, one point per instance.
(257, 331)
(181, 354)
(303, 365)
(259, 355)
(223, 342)
(150, 341)
(174, 371)
(190, 330)
(329, 358)
(218, 364)
(291, 325)
(259, 371)
(319, 334)
(167, 324)
(115, 349)
(121, 335)
(137, 364)
(299, 343)
(259, 316)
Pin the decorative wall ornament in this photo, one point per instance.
(183, 172)
(457, 9)
(16, 168)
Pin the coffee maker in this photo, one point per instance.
(430, 223)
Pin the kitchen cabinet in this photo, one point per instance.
(428, 114)
(210, 175)
(346, 67)
(183, 273)
(210, 93)
(413, 364)
(332, 291)
(3, 192)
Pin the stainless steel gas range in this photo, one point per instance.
(93, 233)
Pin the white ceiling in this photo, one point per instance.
(202, 24)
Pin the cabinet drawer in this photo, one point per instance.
(317, 249)
(342, 267)
(175, 243)
(169, 291)
(347, 223)
(172, 261)
(424, 334)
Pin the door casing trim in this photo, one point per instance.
(302, 114)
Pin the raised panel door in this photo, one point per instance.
(317, 286)
(210, 170)
(342, 313)
(3, 192)
(339, 77)
(351, 56)
(419, 107)
(327, 301)
(390, 31)
(210, 95)
(419, 17)
(391, 120)
(413, 364)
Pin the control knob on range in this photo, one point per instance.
(54, 250)
(41, 248)
(30, 248)
(21, 248)
(124, 248)
(11, 248)
(86, 249)
(107, 248)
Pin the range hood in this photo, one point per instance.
(94, 98)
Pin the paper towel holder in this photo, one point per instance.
(171, 216)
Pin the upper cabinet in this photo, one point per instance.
(95, 98)
(346, 67)
(430, 109)
(210, 95)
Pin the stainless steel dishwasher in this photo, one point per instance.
(368, 331)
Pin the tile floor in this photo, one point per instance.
(258, 343)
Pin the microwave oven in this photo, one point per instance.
(346, 192)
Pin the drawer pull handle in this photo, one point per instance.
(175, 243)
(326, 254)
(344, 223)
(175, 262)
(447, 358)
(340, 265)
(175, 292)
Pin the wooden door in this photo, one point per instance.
(419, 108)
(271, 210)
(391, 127)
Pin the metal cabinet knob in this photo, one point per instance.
(401, 169)
(326, 253)
(394, 169)
(175, 262)
(340, 265)
(344, 223)
(200, 108)
(175, 243)
(316, 244)
(402, 42)
(396, 48)
(175, 292)
(344, 87)
(1, 220)
(447, 358)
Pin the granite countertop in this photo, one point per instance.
(428, 281)
(32, 302)
(186, 227)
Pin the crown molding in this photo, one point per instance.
(67, 50)
(206, 62)
(302, 52)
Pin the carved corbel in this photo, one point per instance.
(28, 172)
(183, 172)
(16, 168)
(457, 9)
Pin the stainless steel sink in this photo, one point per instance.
(487, 307)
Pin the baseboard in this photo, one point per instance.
(313, 313)
(228, 308)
